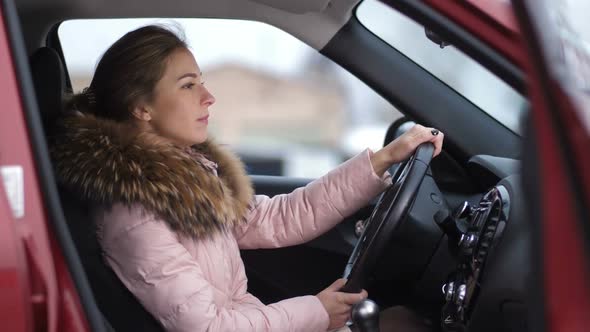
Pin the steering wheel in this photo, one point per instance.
(388, 214)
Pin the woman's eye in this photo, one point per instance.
(188, 86)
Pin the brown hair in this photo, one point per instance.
(128, 72)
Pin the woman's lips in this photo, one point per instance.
(204, 119)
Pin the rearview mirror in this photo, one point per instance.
(435, 38)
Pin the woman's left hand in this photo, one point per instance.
(402, 147)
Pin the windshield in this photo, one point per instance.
(448, 64)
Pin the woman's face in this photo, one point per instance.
(179, 111)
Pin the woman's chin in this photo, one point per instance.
(200, 139)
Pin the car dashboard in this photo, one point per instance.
(487, 243)
(463, 258)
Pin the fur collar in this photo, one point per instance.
(105, 163)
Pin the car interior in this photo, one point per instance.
(450, 239)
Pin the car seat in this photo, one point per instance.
(121, 309)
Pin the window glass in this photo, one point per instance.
(448, 64)
(565, 39)
(285, 108)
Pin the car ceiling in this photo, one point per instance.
(315, 22)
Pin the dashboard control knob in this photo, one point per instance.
(449, 291)
(462, 211)
(451, 319)
(452, 227)
(460, 295)
(467, 243)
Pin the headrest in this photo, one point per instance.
(50, 83)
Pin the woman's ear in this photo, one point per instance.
(142, 112)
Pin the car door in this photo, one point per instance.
(37, 266)
(15, 305)
(559, 188)
(27, 283)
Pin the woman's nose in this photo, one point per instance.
(208, 98)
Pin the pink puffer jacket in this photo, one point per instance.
(191, 285)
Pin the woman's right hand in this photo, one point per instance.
(338, 304)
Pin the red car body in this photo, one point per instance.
(38, 293)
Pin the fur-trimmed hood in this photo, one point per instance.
(106, 162)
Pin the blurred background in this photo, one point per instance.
(285, 108)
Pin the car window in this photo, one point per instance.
(565, 33)
(448, 64)
(285, 108)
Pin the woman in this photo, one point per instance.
(174, 208)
